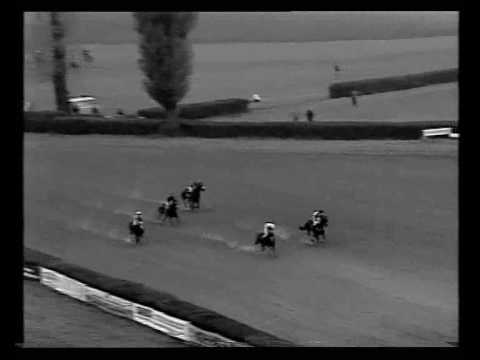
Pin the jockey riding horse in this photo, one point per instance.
(266, 239)
(136, 226)
(168, 210)
(191, 195)
(315, 227)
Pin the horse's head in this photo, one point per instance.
(198, 186)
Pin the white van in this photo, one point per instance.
(84, 104)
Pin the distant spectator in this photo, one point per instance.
(337, 70)
(309, 114)
(75, 110)
(294, 116)
(354, 98)
(120, 112)
(95, 111)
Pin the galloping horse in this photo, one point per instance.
(168, 210)
(266, 239)
(315, 227)
(191, 195)
(137, 230)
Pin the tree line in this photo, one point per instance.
(165, 51)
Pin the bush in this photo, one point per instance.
(200, 110)
(393, 83)
(324, 130)
(41, 115)
(140, 294)
(76, 125)
(328, 130)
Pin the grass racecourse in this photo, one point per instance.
(386, 277)
(53, 320)
(290, 77)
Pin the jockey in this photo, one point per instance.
(315, 227)
(171, 209)
(322, 217)
(268, 228)
(163, 207)
(137, 219)
(266, 239)
(268, 234)
(187, 191)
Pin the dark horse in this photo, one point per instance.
(316, 228)
(136, 230)
(191, 195)
(266, 241)
(168, 210)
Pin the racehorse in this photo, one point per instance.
(266, 239)
(197, 188)
(136, 230)
(315, 227)
(168, 210)
(191, 195)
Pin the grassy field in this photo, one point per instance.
(288, 76)
(386, 277)
(54, 320)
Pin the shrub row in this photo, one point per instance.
(328, 130)
(392, 83)
(169, 304)
(332, 130)
(200, 110)
(41, 115)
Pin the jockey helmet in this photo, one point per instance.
(269, 226)
(138, 213)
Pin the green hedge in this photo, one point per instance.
(333, 130)
(169, 304)
(392, 83)
(328, 130)
(41, 115)
(201, 110)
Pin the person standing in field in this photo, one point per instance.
(354, 95)
(336, 69)
(310, 115)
